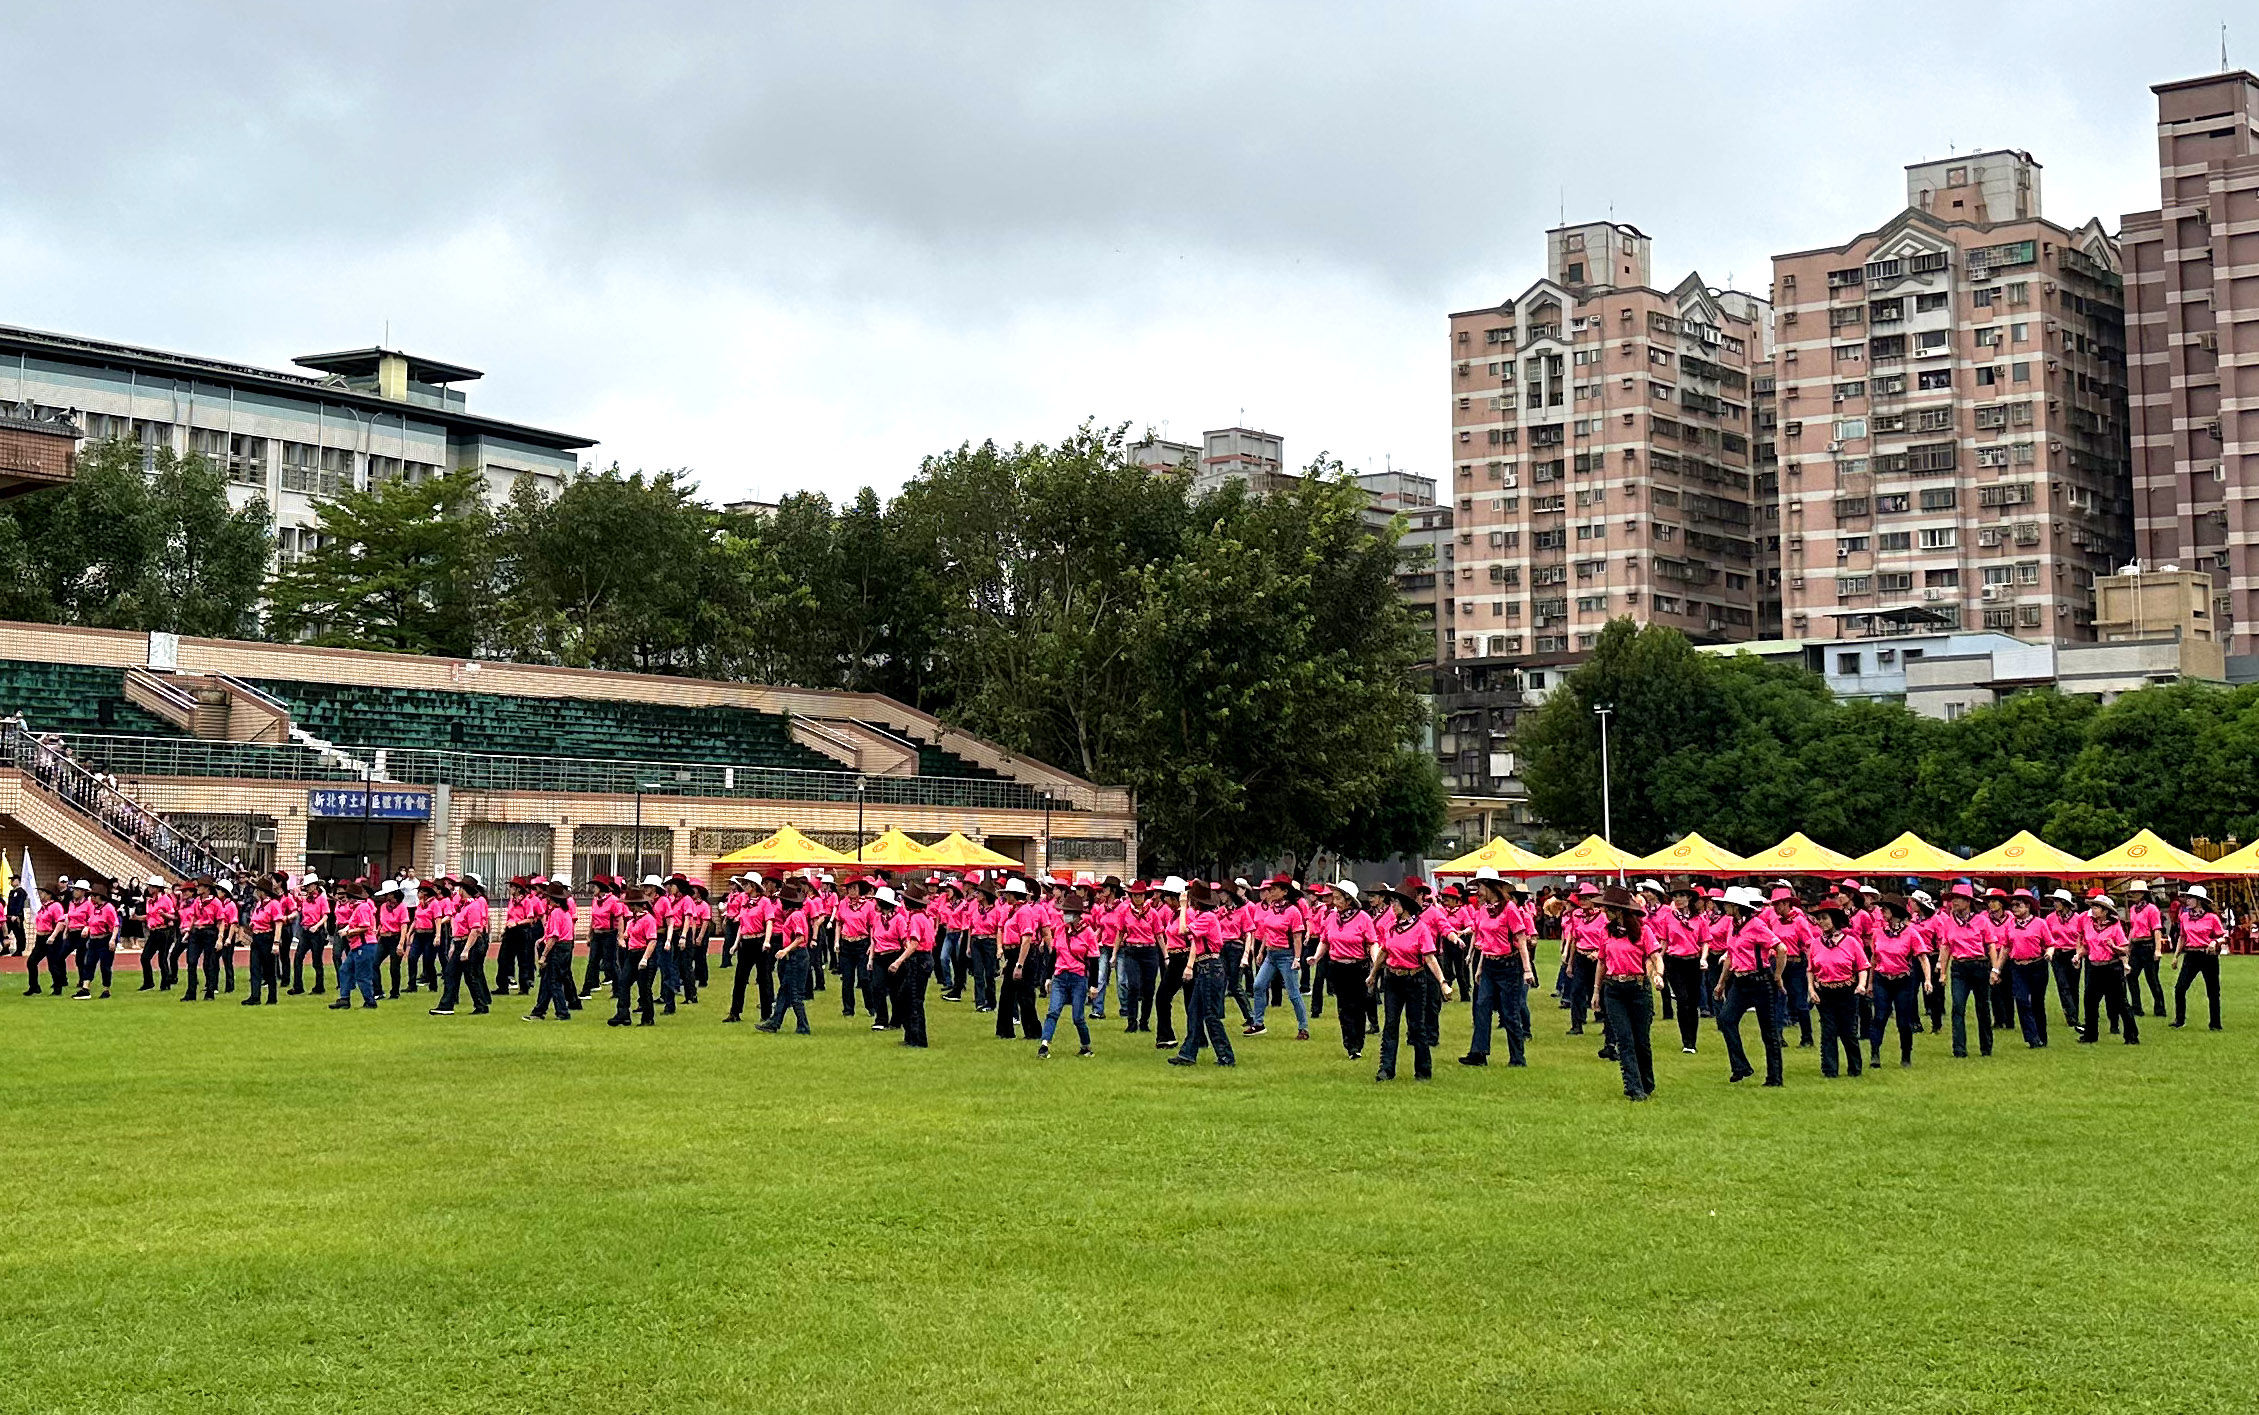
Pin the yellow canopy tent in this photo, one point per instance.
(1589, 855)
(1694, 855)
(1909, 854)
(2148, 854)
(1800, 855)
(788, 849)
(957, 852)
(894, 850)
(2026, 854)
(2242, 862)
(1501, 855)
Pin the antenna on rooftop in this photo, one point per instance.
(2223, 46)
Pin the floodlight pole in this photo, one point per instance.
(1607, 810)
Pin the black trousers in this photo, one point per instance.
(854, 960)
(2066, 966)
(1015, 1006)
(266, 964)
(1935, 999)
(311, 944)
(2141, 967)
(1757, 994)
(1627, 1010)
(603, 959)
(513, 962)
(2027, 989)
(554, 967)
(2004, 999)
(1582, 968)
(1141, 968)
(1896, 997)
(910, 996)
(984, 973)
(1205, 987)
(204, 953)
(467, 966)
(631, 973)
(2106, 991)
(878, 989)
(2197, 964)
(1403, 993)
(1173, 969)
(1972, 978)
(154, 963)
(751, 958)
(1236, 979)
(1682, 993)
(1351, 1002)
(1839, 1026)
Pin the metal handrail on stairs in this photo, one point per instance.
(102, 803)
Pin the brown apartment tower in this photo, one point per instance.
(1601, 459)
(1951, 400)
(2192, 288)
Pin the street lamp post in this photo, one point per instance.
(1607, 813)
(1046, 835)
(640, 787)
(861, 782)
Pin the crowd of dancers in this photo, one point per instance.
(1865, 961)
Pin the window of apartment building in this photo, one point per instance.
(1661, 391)
(2000, 618)
(1928, 263)
(1989, 337)
(1845, 279)
(1933, 419)
(1988, 376)
(1993, 415)
(1592, 602)
(2027, 615)
(1895, 540)
(1929, 304)
(1498, 336)
(1894, 581)
(1933, 378)
(1853, 389)
(1848, 585)
(1941, 579)
(1849, 428)
(1851, 466)
(2014, 493)
(2019, 333)
(1887, 385)
(1931, 457)
(1887, 346)
(1549, 540)
(1883, 423)
(1852, 545)
(1667, 604)
(1664, 532)
(1982, 299)
(1885, 311)
(1844, 353)
(1844, 316)
(1661, 358)
(1885, 269)
(1933, 341)
(1596, 531)
(1851, 508)
(2021, 453)
(1939, 538)
(1938, 498)
(2020, 414)
(2019, 292)
(1997, 574)
(1992, 456)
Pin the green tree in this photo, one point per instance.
(405, 567)
(612, 572)
(1407, 812)
(136, 540)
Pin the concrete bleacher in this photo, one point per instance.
(430, 719)
(71, 697)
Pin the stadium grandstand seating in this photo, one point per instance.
(934, 761)
(70, 697)
(369, 716)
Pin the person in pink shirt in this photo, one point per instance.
(1206, 933)
(2147, 936)
(1900, 975)
(1965, 945)
(1350, 945)
(1749, 982)
(1840, 977)
(639, 945)
(311, 934)
(1403, 968)
(79, 903)
(1502, 969)
(98, 939)
(857, 917)
(912, 968)
(160, 950)
(359, 919)
(2106, 945)
(1079, 944)
(1630, 964)
(2024, 941)
(423, 933)
(1795, 933)
(470, 927)
(47, 940)
(2203, 936)
(553, 953)
(757, 949)
(2065, 938)
(1023, 923)
(1274, 930)
(1676, 932)
(781, 920)
(1582, 928)
(270, 928)
(1138, 921)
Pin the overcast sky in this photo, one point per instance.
(804, 245)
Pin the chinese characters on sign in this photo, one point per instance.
(383, 805)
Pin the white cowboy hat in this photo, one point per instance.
(885, 896)
(2066, 896)
(1344, 886)
(1174, 884)
(1015, 886)
(156, 881)
(390, 886)
(1746, 896)
(1486, 872)
(653, 882)
(2137, 886)
(1654, 885)
(2196, 891)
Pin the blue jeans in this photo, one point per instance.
(358, 971)
(1101, 968)
(1794, 1000)
(1067, 990)
(1278, 965)
(793, 981)
(1501, 991)
(945, 960)
(1204, 1011)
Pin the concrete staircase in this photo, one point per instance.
(87, 818)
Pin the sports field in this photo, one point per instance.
(218, 1208)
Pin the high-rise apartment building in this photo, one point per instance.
(1950, 391)
(2192, 336)
(1601, 461)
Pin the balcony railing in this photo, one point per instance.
(53, 764)
(472, 771)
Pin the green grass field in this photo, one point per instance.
(213, 1208)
